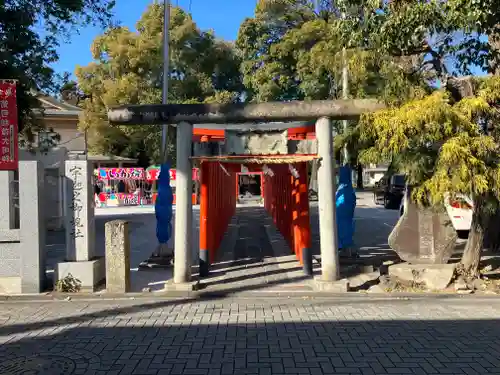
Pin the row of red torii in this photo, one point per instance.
(184, 116)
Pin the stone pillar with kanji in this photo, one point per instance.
(81, 261)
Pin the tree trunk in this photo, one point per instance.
(474, 247)
(492, 234)
(359, 182)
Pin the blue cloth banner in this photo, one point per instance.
(345, 201)
(163, 206)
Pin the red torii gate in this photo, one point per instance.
(294, 133)
(285, 195)
(285, 199)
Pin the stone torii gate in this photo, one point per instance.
(185, 115)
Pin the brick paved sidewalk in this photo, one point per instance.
(307, 336)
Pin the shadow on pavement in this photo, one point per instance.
(253, 247)
(210, 339)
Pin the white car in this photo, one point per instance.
(459, 210)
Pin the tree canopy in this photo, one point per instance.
(30, 32)
(292, 51)
(128, 69)
(396, 50)
(442, 144)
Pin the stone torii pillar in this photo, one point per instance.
(183, 205)
(185, 115)
(326, 201)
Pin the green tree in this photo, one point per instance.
(128, 69)
(291, 50)
(443, 141)
(442, 144)
(71, 93)
(29, 35)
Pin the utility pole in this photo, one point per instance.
(166, 70)
(345, 94)
(162, 256)
(345, 84)
(86, 140)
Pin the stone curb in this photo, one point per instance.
(200, 296)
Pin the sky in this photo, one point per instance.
(223, 16)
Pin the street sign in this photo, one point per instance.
(8, 126)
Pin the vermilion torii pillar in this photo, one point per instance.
(185, 115)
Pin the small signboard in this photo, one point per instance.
(8, 126)
(152, 174)
(121, 174)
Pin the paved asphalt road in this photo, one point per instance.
(359, 336)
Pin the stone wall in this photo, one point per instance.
(22, 251)
(256, 143)
(53, 165)
(306, 146)
(269, 142)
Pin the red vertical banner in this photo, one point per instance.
(8, 126)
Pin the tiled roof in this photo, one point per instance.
(51, 103)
